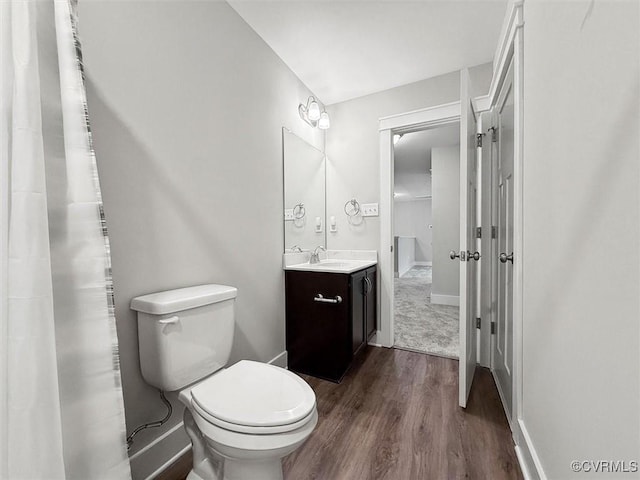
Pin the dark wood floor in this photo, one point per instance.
(396, 416)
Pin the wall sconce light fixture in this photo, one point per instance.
(311, 114)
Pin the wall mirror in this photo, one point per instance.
(304, 193)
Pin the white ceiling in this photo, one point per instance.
(412, 160)
(412, 153)
(349, 48)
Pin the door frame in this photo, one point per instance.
(412, 121)
(510, 48)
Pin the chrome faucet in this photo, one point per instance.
(315, 256)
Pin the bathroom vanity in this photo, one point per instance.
(330, 315)
(330, 302)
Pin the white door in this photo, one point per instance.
(468, 252)
(502, 349)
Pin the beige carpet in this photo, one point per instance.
(420, 326)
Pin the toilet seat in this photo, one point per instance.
(254, 398)
(234, 427)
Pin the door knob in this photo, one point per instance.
(504, 258)
(474, 255)
(453, 255)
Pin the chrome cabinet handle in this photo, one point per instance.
(453, 255)
(321, 299)
(474, 255)
(504, 258)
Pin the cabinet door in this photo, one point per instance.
(317, 333)
(358, 288)
(371, 303)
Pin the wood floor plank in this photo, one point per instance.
(395, 416)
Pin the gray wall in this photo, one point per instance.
(187, 104)
(445, 164)
(412, 219)
(353, 147)
(581, 274)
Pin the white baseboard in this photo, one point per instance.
(150, 460)
(280, 360)
(527, 456)
(169, 462)
(524, 467)
(401, 273)
(445, 299)
(424, 264)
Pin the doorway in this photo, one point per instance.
(465, 113)
(426, 224)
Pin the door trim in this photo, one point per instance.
(411, 121)
(511, 48)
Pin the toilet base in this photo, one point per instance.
(194, 476)
(220, 454)
(263, 470)
(211, 464)
(242, 471)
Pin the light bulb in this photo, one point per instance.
(314, 111)
(324, 122)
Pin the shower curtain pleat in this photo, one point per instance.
(61, 406)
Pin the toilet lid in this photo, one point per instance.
(255, 394)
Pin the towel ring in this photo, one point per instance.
(352, 208)
(299, 211)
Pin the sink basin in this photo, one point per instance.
(338, 264)
(333, 266)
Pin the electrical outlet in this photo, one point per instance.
(288, 214)
(369, 209)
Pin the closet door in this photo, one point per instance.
(502, 350)
(468, 254)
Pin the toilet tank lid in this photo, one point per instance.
(180, 299)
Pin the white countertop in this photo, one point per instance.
(331, 261)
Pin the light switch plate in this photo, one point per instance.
(288, 214)
(369, 209)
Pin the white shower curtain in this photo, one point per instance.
(61, 407)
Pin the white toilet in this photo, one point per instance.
(242, 419)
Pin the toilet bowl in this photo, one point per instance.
(242, 419)
(265, 413)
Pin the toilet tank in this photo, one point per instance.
(185, 334)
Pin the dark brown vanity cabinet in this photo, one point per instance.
(330, 317)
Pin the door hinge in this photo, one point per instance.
(391, 248)
(478, 322)
(478, 232)
(494, 136)
(479, 139)
(493, 328)
(494, 231)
